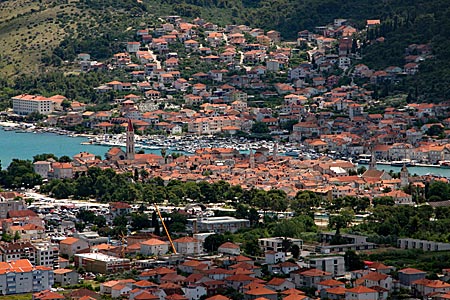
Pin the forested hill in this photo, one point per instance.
(31, 30)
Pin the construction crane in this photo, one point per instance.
(165, 228)
(123, 238)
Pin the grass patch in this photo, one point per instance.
(27, 296)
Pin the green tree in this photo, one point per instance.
(155, 224)
(62, 190)
(353, 261)
(140, 221)
(295, 251)
(65, 159)
(16, 236)
(384, 200)
(212, 242)
(44, 156)
(338, 222)
(260, 128)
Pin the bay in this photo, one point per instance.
(25, 145)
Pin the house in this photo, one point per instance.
(229, 248)
(194, 291)
(47, 295)
(261, 293)
(361, 293)
(426, 287)
(188, 245)
(280, 284)
(273, 257)
(119, 208)
(309, 278)
(70, 246)
(65, 277)
(332, 264)
(276, 243)
(374, 279)
(327, 284)
(62, 170)
(334, 293)
(408, 275)
(154, 247)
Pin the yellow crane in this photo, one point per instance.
(165, 228)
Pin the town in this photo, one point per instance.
(284, 205)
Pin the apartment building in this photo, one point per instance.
(26, 104)
(8, 204)
(422, 244)
(331, 264)
(216, 224)
(276, 243)
(210, 125)
(19, 276)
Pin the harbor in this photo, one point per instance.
(25, 143)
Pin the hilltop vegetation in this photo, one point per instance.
(39, 35)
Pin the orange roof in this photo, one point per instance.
(69, 241)
(186, 239)
(331, 282)
(295, 297)
(260, 292)
(146, 296)
(315, 272)
(337, 290)
(375, 276)
(411, 271)
(154, 242)
(229, 245)
(218, 297)
(361, 290)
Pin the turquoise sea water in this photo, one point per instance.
(26, 145)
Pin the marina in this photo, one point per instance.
(24, 144)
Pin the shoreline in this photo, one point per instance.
(198, 141)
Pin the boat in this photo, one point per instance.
(403, 162)
(292, 153)
(444, 164)
(363, 161)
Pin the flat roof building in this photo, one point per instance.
(217, 224)
(101, 263)
(26, 104)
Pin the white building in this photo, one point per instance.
(42, 168)
(276, 243)
(19, 276)
(194, 291)
(66, 277)
(9, 204)
(154, 247)
(332, 264)
(26, 104)
(72, 245)
(422, 244)
(273, 257)
(188, 245)
(47, 254)
(229, 248)
(217, 224)
(361, 293)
